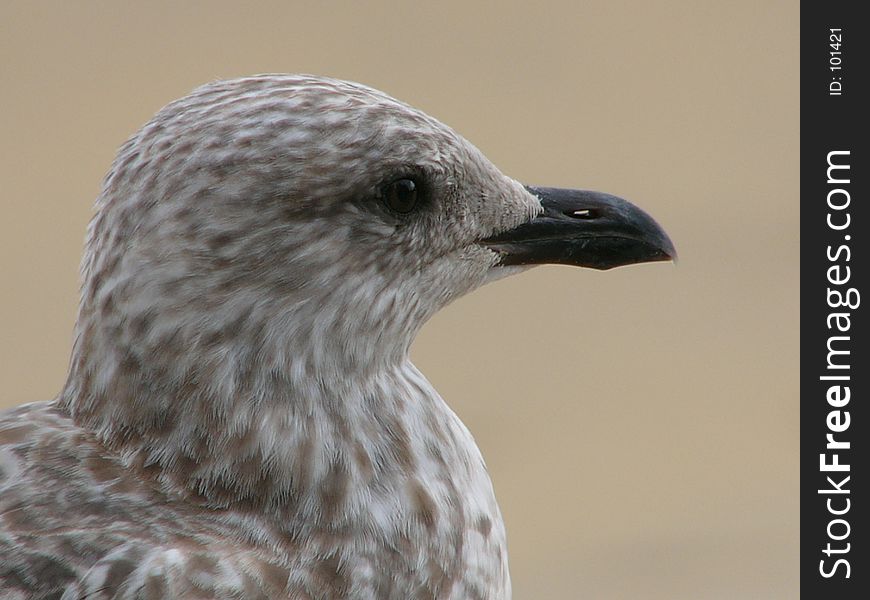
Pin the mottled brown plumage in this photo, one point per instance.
(241, 419)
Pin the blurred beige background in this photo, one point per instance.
(641, 425)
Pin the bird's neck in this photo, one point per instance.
(321, 445)
(310, 433)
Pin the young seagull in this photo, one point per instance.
(241, 419)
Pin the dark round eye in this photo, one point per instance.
(401, 196)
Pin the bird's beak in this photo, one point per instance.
(585, 229)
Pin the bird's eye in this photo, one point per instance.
(401, 196)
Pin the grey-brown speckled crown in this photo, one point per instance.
(241, 419)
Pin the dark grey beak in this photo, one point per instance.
(585, 229)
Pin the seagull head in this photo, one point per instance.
(278, 228)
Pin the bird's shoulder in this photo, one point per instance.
(74, 523)
(174, 570)
(47, 461)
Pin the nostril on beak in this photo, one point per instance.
(584, 214)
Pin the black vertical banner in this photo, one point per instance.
(835, 353)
